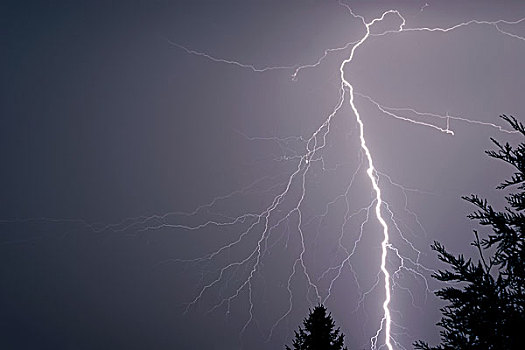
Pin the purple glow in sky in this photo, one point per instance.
(197, 175)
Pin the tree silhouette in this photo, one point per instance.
(486, 311)
(318, 332)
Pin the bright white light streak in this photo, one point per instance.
(372, 174)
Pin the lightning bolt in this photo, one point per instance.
(258, 227)
(347, 88)
(372, 174)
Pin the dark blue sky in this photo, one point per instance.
(110, 132)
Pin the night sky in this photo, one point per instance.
(172, 175)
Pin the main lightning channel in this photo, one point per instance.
(372, 174)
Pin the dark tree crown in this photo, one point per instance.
(488, 312)
(318, 332)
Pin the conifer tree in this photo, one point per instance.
(486, 310)
(318, 332)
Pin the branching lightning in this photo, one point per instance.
(378, 203)
(257, 229)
